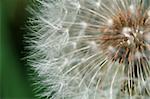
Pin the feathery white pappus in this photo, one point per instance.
(90, 49)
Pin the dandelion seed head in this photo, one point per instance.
(90, 49)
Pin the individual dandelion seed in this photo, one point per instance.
(90, 49)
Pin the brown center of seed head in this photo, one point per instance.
(124, 38)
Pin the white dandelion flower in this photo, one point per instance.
(90, 49)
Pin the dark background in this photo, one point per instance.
(14, 73)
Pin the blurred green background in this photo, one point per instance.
(14, 79)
